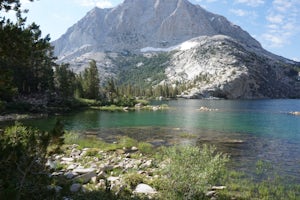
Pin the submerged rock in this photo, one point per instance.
(295, 113)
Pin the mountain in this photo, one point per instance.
(195, 47)
(137, 24)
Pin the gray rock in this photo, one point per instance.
(147, 164)
(218, 187)
(70, 175)
(85, 178)
(113, 179)
(106, 168)
(144, 189)
(169, 23)
(84, 170)
(102, 175)
(94, 179)
(51, 164)
(72, 166)
(75, 153)
(67, 159)
(75, 187)
(101, 184)
(210, 193)
(57, 174)
(58, 189)
(134, 148)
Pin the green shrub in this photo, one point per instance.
(145, 147)
(133, 179)
(92, 152)
(2, 106)
(191, 171)
(127, 142)
(22, 163)
(23, 152)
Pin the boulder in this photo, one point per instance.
(144, 189)
(85, 178)
(83, 170)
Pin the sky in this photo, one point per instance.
(274, 23)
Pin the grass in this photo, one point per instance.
(88, 102)
(239, 186)
(95, 144)
(191, 171)
(187, 135)
(111, 108)
(90, 142)
(143, 102)
(133, 179)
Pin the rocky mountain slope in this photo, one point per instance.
(188, 45)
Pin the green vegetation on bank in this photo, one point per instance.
(178, 172)
(24, 152)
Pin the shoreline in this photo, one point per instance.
(18, 116)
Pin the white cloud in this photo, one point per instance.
(274, 40)
(104, 4)
(239, 12)
(275, 18)
(93, 3)
(283, 23)
(252, 3)
(282, 5)
(243, 13)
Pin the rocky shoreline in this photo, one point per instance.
(92, 169)
(125, 170)
(16, 117)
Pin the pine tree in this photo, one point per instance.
(90, 81)
(65, 81)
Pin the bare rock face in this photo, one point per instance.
(205, 51)
(136, 24)
(220, 66)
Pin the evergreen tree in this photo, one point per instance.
(26, 59)
(64, 81)
(90, 81)
(111, 90)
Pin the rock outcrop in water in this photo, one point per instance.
(214, 57)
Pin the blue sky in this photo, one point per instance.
(274, 23)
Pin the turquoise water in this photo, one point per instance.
(247, 130)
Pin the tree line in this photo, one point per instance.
(28, 66)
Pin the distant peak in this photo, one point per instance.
(155, 2)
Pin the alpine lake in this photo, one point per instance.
(249, 131)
